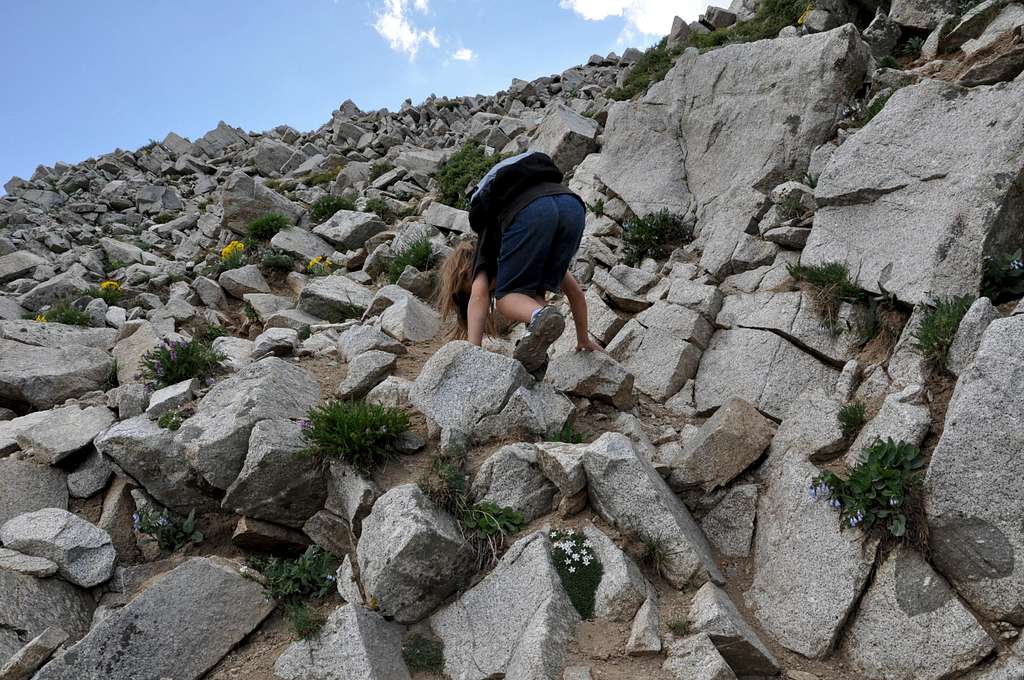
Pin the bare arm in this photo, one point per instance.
(479, 307)
(578, 307)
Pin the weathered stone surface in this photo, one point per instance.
(967, 188)
(968, 335)
(796, 317)
(255, 535)
(358, 339)
(911, 626)
(921, 14)
(515, 623)
(714, 613)
(728, 443)
(644, 638)
(410, 320)
(18, 264)
(348, 230)
(354, 643)
(68, 284)
(152, 456)
(301, 244)
(729, 526)
(623, 588)
(52, 334)
(83, 553)
(685, 137)
(468, 389)
(695, 658)
(411, 555)
(808, 573)
(350, 495)
(659, 359)
(627, 492)
(364, 373)
(179, 627)
(26, 487)
(12, 560)
(512, 477)
(594, 375)
(563, 465)
(565, 136)
(334, 298)
(61, 432)
(216, 438)
(759, 367)
(245, 199)
(24, 664)
(43, 377)
(31, 605)
(242, 280)
(129, 351)
(91, 476)
(972, 490)
(904, 416)
(276, 484)
(279, 342)
(328, 531)
(439, 215)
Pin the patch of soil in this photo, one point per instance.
(879, 349)
(940, 391)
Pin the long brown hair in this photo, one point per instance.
(456, 283)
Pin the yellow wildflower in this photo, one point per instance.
(110, 285)
(320, 263)
(803, 17)
(232, 249)
(41, 317)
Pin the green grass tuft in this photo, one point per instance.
(361, 434)
(851, 419)
(290, 580)
(651, 68)
(320, 178)
(172, 362)
(264, 228)
(939, 326)
(379, 168)
(418, 254)
(654, 235)
(831, 286)
(325, 208)
(772, 16)
(276, 260)
(64, 311)
(465, 168)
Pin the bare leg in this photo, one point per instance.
(519, 307)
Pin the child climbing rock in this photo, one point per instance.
(529, 227)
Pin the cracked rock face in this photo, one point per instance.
(515, 623)
(972, 486)
(911, 625)
(915, 200)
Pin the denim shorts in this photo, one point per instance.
(539, 246)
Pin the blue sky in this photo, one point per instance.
(84, 77)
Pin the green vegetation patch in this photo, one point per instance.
(882, 495)
(423, 655)
(651, 68)
(64, 311)
(174, 361)
(167, 530)
(1003, 277)
(654, 235)
(361, 434)
(465, 168)
(291, 580)
(578, 568)
(851, 419)
(264, 228)
(939, 326)
(325, 208)
(772, 16)
(418, 254)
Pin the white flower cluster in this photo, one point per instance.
(576, 548)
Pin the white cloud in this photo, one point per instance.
(394, 26)
(648, 17)
(464, 54)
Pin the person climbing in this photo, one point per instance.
(529, 227)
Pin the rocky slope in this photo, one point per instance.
(687, 449)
